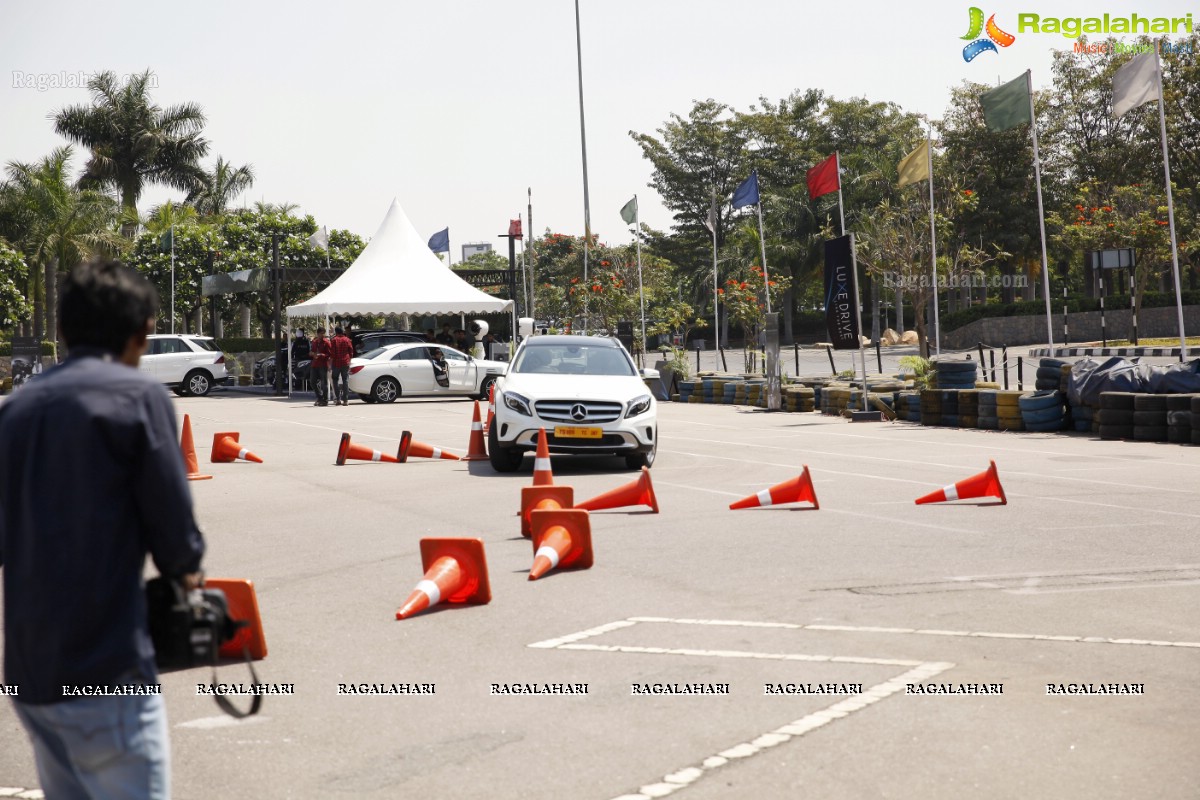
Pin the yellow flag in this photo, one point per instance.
(914, 167)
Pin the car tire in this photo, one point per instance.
(483, 387)
(179, 390)
(385, 389)
(366, 398)
(639, 460)
(504, 459)
(198, 383)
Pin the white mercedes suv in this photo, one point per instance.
(189, 365)
(585, 391)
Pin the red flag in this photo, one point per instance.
(514, 228)
(823, 178)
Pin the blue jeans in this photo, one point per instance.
(95, 747)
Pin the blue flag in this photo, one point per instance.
(440, 241)
(746, 194)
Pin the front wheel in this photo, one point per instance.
(485, 386)
(504, 459)
(386, 390)
(639, 460)
(198, 383)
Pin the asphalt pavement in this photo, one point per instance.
(861, 616)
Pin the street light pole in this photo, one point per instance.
(587, 213)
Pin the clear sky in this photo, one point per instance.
(456, 107)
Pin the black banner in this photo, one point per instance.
(841, 317)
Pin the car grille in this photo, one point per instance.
(608, 440)
(595, 411)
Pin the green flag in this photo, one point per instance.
(914, 167)
(1007, 106)
(629, 211)
(167, 240)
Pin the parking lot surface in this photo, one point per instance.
(872, 647)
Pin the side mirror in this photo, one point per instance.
(650, 374)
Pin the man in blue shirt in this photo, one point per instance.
(91, 480)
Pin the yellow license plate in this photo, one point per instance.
(574, 432)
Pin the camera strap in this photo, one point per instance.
(224, 703)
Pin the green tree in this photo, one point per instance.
(219, 187)
(134, 142)
(57, 227)
(14, 308)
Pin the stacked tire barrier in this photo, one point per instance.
(956, 374)
(1195, 419)
(1179, 418)
(1042, 411)
(909, 406)
(931, 407)
(799, 398)
(968, 408)
(949, 403)
(1150, 417)
(1008, 411)
(1049, 374)
(1116, 415)
(987, 414)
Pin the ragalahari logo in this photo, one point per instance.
(995, 36)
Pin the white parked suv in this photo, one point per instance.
(585, 391)
(189, 365)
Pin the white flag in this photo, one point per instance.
(1135, 83)
(320, 239)
(711, 222)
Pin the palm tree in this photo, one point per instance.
(58, 225)
(219, 187)
(283, 208)
(132, 141)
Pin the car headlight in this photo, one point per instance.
(638, 405)
(517, 403)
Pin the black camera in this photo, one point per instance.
(187, 627)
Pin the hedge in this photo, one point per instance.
(958, 319)
(240, 345)
(6, 348)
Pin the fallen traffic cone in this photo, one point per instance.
(796, 490)
(243, 608)
(408, 447)
(543, 498)
(189, 452)
(346, 449)
(542, 476)
(455, 572)
(638, 492)
(476, 449)
(985, 484)
(226, 449)
(560, 539)
(487, 425)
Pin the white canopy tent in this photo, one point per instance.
(397, 273)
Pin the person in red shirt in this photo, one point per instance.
(341, 351)
(320, 351)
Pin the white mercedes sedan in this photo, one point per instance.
(387, 373)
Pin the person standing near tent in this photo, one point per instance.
(341, 351)
(319, 353)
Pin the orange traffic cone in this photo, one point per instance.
(543, 498)
(985, 484)
(560, 539)
(408, 447)
(487, 425)
(226, 449)
(542, 476)
(189, 452)
(796, 490)
(243, 608)
(638, 492)
(346, 449)
(477, 449)
(455, 572)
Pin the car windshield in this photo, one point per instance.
(573, 359)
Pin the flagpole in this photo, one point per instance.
(716, 285)
(637, 238)
(532, 255)
(937, 328)
(837, 164)
(587, 213)
(1162, 122)
(172, 279)
(862, 354)
(1037, 172)
(327, 264)
(762, 242)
